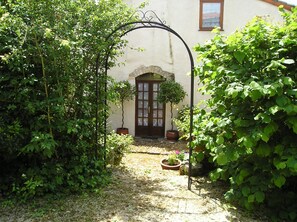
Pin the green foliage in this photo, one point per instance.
(197, 157)
(182, 121)
(48, 53)
(250, 129)
(180, 155)
(172, 159)
(171, 92)
(124, 92)
(77, 175)
(116, 146)
(43, 144)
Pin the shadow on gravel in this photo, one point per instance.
(125, 199)
(205, 188)
(134, 195)
(129, 198)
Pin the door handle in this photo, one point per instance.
(149, 109)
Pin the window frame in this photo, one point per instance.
(201, 28)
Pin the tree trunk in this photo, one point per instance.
(171, 107)
(122, 113)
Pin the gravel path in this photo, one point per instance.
(153, 194)
(140, 192)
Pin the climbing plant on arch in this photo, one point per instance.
(147, 20)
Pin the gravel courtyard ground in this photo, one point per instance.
(140, 191)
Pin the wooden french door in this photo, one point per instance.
(150, 114)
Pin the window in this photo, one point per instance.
(211, 14)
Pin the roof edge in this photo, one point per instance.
(278, 3)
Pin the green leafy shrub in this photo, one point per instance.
(180, 155)
(197, 157)
(48, 53)
(182, 121)
(75, 176)
(116, 146)
(250, 131)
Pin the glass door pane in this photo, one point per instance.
(143, 104)
(158, 114)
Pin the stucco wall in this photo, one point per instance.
(164, 50)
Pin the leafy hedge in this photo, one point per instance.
(47, 92)
(251, 131)
(116, 147)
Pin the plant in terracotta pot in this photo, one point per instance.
(173, 93)
(171, 162)
(125, 92)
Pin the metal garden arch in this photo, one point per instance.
(148, 20)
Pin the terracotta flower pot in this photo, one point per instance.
(166, 166)
(123, 131)
(172, 135)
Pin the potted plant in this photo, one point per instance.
(171, 163)
(125, 92)
(173, 93)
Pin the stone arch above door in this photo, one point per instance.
(151, 69)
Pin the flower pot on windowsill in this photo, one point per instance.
(122, 131)
(172, 135)
(166, 166)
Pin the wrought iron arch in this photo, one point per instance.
(148, 20)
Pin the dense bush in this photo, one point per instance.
(47, 92)
(250, 131)
(116, 146)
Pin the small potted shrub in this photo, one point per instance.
(125, 92)
(171, 163)
(173, 93)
